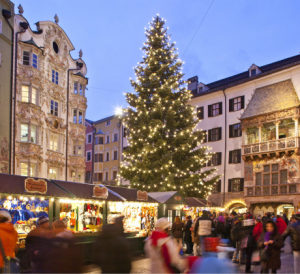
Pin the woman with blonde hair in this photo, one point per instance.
(177, 231)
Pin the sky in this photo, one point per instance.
(215, 38)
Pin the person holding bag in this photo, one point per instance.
(270, 244)
(8, 241)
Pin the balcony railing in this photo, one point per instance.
(271, 146)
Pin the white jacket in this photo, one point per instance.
(158, 264)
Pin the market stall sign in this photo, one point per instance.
(36, 186)
(177, 198)
(100, 192)
(142, 195)
(186, 208)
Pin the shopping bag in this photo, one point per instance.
(255, 256)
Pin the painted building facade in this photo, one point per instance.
(6, 66)
(89, 151)
(50, 106)
(255, 148)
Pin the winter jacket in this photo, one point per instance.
(163, 253)
(9, 237)
(274, 261)
(177, 230)
(204, 226)
(111, 251)
(257, 231)
(235, 232)
(293, 230)
(281, 225)
(188, 232)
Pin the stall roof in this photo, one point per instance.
(130, 194)
(15, 184)
(198, 202)
(84, 191)
(169, 197)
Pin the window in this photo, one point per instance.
(73, 174)
(29, 94)
(79, 149)
(258, 178)
(54, 108)
(272, 175)
(236, 185)
(54, 76)
(115, 137)
(253, 72)
(215, 134)
(88, 156)
(99, 158)
(55, 47)
(107, 139)
(80, 117)
(99, 140)
(125, 134)
(0, 26)
(115, 175)
(200, 113)
(215, 109)
(76, 91)
(89, 138)
(268, 132)
(79, 177)
(74, 116)
(76, 88)
(80, 89)
(286, 129)
(217, 187)
(53, 142)
(52, 173)
(237, 103)
(215, 159)
(106, 176)
(87, 176)
(107, 156)
(34, 95)
(26, 58)
(200, 89)
(28, 133)
(28, 169)
(252, 135)
(107, 123)
(235, 130)
(115, 155)
(235, 156)
(98, 177)
(34, 61)
(283, 177)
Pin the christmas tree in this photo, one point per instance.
(165, 151)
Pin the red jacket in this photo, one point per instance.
(281, 225)
(9, 237)
(257, 230)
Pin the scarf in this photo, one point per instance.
(156, 235)
(267, 238)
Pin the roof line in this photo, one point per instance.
(114, 193)
(199, 201)
(62, 188)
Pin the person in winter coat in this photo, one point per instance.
(220, 225)
(270, 243)
(177, 232)
(188, 235)
(247, 242)
(294, 232)
(236, 237)
(203, 228)
(281, 225)
(196, 243)
(8, 236)
(258, 229)
(285, 218)
(38, 242)
(227, 229)
(162, 251)
(111, 250)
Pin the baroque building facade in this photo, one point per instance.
(252, 124)
(50, 105)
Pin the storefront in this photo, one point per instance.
(171, 204)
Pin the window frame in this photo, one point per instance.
(51, 147)
(29, 132)
(30, 94)
(200, 113)
(89, 135)
(108, 123)
(213, 108)
(55, 76)
(29, 166)
(115, 154)
(54, 111)
(56, 173)
(237, 103)
(116, 139)
(235, 132)
(88, 152)
(114, 172)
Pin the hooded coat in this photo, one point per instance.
(281, 225)
(9, 237)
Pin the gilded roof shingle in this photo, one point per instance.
(275, 97)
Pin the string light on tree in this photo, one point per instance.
(165, 150)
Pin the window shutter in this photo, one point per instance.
(220, 158)
(230, 156)
(220, 133)
(229, 185)
(205, 136)
(230, 131)
(219, 186)
(242, 184)
(243, 102)
(209, 111)
(220, 108)
(209, 135)
(239, 155)
(200, 113)
(209, 163)
(231, 104)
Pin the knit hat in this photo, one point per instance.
(4, 214)
(41, 220)
(162, 223)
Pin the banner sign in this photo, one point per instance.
(142, 195)
(100, 192)
(36, 186)
(177, 198)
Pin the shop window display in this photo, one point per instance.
(81, 216)
(25, 211)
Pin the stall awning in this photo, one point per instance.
(15, 184)
(85, 191)
(168, 197)
(132, 194)
(198, 202)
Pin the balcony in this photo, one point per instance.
(76, 161)
(55, 158)
(272, 146)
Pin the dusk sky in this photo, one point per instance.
(234, 35)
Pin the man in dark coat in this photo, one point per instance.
(188, 235)
(111, 250)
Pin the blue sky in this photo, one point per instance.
(234, 35)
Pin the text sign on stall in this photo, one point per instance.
(100, 192)
(142, 195)
(36, 186)
(177, 198)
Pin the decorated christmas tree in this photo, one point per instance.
(165, 152)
